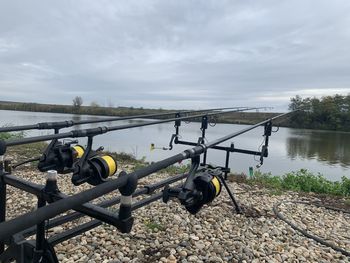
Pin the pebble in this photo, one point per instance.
(215, 234)
(183, 253)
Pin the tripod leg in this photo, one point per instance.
(237, 207)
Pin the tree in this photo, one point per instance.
(295, 102)
(328, 112)
(77, 102)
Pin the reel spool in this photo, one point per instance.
(207, 188)
(95, 170)
(60, 157)
(199, 190)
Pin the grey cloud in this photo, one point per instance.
(174, 53)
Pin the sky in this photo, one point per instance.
(175, 53)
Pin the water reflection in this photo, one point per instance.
(325, 146)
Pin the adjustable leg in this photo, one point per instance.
(40, 236)
(237, 207)
(43, 251)
(227, 161)
(204, 158)
(2, 200)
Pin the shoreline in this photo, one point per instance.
(230, 118)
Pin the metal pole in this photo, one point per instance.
(227, 164)
(40, 236)
(2, 199)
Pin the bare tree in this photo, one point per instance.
(77, 102)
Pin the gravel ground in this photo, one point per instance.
(168, 233)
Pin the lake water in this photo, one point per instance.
(326, 152)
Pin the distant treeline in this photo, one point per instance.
(88, 110)
(238, 117)
(327, 113)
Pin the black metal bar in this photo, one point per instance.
(40, 235)
(227, 161)
(222, 148)
(22, 222)
(148, 189)
(104, 129)
(95, 223)
(94, 211)
(237, 207)
(70, 123)
(2, 200)
(29, 219)
(235, 134)
(36, 189)
(204, 126)
(22, 184)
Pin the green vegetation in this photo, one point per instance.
(328, 113)
(171, 170)
(11, 135)
(301, 181)
(154, 226)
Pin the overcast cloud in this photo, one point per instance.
(174, 54)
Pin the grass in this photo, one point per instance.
(154, 226)
(11, 135)
(302, 181)
(171, 170)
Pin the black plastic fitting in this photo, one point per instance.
(177, 122)
(268, 128)
(55, 125)
(130, 187)
(204, 123)
(2, 147)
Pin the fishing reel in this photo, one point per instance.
(60, 156)
(200, 188)
(93, 168)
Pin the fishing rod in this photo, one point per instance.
(103, 129)
(69, 123)
(65, 158)
(192, 194)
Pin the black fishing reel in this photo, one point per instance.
(200, 188)
(93, 168)
(60, 156)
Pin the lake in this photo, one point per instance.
(325, 152)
